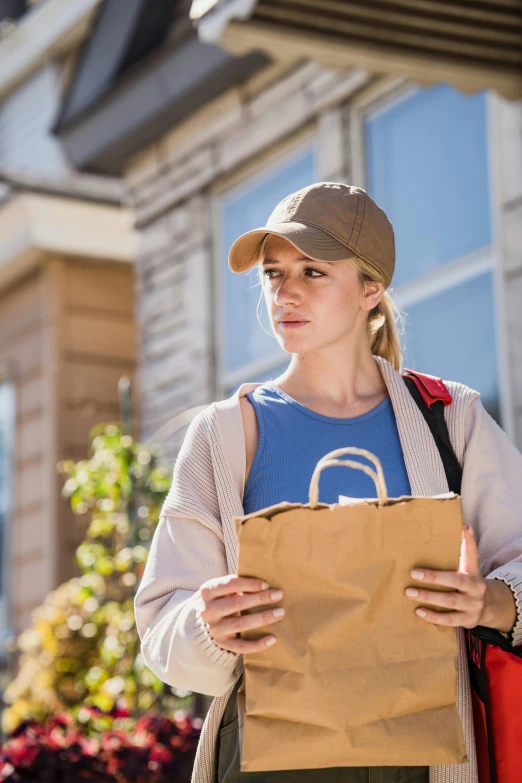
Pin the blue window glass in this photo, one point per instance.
(426, 163)
(452, 335)
(244, 340)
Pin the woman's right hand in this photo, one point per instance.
(225, 598)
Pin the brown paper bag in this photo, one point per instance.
(355, 678)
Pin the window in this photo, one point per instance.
(7, 424)
(427, 166)
(247, 351)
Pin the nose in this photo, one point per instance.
(287, 292)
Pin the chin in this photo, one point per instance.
(294, 345)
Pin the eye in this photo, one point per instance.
(313, 272)
(268, 273)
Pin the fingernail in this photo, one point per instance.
(264, 585)
(420, 612)
(417, 574)
(276, 595)
(270, 641)
(411, 592)
(468, 530)
(279, 612)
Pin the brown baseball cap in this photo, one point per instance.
(327, 221)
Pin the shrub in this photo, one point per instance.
(82, 648)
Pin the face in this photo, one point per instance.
(314, 304)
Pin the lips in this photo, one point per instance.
(291, 322)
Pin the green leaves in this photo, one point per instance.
(82, 649)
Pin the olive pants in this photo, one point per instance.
(229, 772)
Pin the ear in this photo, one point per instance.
(373, 292)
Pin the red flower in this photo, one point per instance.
(158, 750)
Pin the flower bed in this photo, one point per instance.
(152, 749)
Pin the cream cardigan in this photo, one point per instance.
(195, 541)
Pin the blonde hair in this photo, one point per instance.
(385, 322)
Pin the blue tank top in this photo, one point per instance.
(292, 439)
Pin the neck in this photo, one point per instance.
(353, 380)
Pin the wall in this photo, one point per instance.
(66, 337)
(508, 175)
(22, 342)
(26, 116)
(97, 346)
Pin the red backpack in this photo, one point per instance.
(495, 666)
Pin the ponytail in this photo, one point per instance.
(384, 321)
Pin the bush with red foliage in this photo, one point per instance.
(156, 750)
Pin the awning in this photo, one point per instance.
(472, 45)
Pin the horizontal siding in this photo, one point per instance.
(29, 575)
(26, 117)
(98, 347)
(30, 437)
(92, 382)
(30, 393)
(30, 487)
(81, 419)
(92, 308)
(30, 532)
(115, 295)
(100, 336)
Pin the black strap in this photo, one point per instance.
(435, 420)
(434, 416)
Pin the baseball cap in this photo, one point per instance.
(326, 221)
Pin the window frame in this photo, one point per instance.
(379, 98)
(225, 380)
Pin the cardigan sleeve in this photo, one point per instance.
(492, 502)
(187, 549)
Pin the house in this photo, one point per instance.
(419, 102)
(66, 304)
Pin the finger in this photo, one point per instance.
(469, 556)
(457, 580)
(243, 646)
(239, 602)
(446, 600)
(246, 622)
(445, 618)
(232, 584)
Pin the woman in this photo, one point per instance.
(326, 257)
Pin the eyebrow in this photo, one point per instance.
(301, 258)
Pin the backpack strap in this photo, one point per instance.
(432, 396)
(430, 388)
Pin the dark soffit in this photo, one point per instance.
(119, 102)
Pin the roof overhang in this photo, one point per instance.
(138, 110)
(48, 30)
(471, 46)
(34, 226)
(137, 76)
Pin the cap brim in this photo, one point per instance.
(309, 240)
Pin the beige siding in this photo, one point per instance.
(66, 337)
(97, 343)
(22, 333)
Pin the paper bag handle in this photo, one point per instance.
(329, 460)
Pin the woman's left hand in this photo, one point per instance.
(468, 599)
